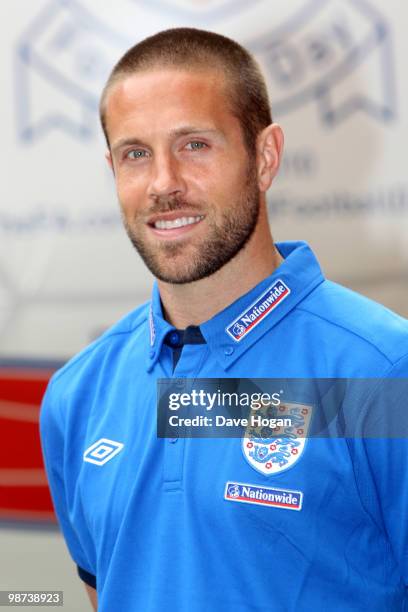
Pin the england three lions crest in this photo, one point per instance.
(275, 437)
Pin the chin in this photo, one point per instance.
(174, 279)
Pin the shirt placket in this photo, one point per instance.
(187, 368)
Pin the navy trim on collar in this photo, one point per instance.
(177, 338)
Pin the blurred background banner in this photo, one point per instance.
(336, 75)
(337, 79)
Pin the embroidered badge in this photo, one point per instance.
(271, 451)
(263, 496)
(258, 310)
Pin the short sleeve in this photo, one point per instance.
(53, 446)
(86, 577)
(380, 458)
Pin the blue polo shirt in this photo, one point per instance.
(188, 525)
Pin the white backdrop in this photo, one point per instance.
(338, 82)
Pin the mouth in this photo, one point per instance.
(174, 225)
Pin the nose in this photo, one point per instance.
(166, 177)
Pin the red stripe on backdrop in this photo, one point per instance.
(24, 493)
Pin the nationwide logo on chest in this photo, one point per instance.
(264, 496)
(258, 310)
(273, 450)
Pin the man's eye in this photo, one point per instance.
(136, 154)
(196, 145)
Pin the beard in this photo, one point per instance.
(176, 262)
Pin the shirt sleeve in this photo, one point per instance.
(88, 578)
(53, 447)
(380, 457)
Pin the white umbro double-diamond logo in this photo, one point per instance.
(102, 451)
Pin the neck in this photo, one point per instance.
(194, 303)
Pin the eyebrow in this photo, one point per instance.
(182, 131)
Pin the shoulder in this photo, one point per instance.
(97, 356)
(365, 323)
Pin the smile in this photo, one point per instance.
(179, 222)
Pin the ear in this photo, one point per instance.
(108, 157)
(269, 153)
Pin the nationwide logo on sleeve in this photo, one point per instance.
(258, 310)
(263, 496)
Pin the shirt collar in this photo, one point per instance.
(157, 328)
(235, 329)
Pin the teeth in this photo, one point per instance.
(177, 222)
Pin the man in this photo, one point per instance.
(158, 524)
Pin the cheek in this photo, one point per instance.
(227, 182)
(130, 193)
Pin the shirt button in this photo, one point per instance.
(151, 354)
(229, 350)
(174, 338)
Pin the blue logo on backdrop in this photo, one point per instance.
(206, 10)
(66, 54)
(326, 51)
(63, 59)
(258, 310)
(337, 53)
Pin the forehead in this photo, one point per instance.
(163, 98)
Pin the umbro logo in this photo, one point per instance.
(102, 451)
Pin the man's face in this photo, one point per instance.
(188, 191)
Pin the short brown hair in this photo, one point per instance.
(189, 48)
